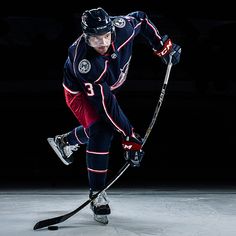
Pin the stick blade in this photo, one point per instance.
(59, 219)
(47, 222)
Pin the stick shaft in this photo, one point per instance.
(163, 89)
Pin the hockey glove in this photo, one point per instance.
(169, 51)
(133, 152)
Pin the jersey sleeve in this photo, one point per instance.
(144, 26)
(70, 82)
(100, 95)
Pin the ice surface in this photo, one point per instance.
(134, 212)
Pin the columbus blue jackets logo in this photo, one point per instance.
(84, 66)
(119, 22)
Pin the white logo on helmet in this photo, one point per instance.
(119, 22)
(102, 27)
(84, 66)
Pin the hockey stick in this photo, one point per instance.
(62, 218)
(157, 109)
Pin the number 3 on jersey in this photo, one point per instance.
(89, 88)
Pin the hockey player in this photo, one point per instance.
(96, 68)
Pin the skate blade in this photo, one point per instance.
(54, 147)
(103, 219)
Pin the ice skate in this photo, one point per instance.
(63, 149)
(103, 219)
(100, 208)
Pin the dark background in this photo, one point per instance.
(193, 141)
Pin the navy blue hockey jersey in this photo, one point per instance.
(100, 76)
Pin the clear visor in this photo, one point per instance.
(103, 40)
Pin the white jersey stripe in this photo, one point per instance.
(78, 137)
(97, 171)
(97, 153)
(154, 29)
(70, 91)
(86, 133)
(105, 109)
(122, 45)
(104, 71)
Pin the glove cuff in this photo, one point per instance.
(132, 146)
(133, 142)
(165, 49)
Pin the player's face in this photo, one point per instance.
(100, 43)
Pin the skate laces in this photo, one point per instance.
(101, 199)
(68, 149)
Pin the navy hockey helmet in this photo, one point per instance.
(97, 22)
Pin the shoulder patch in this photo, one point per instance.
(84, 66)
(119, 22)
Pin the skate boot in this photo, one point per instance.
(100, 208)
(62, 148)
